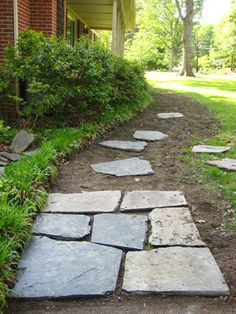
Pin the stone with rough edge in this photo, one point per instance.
(147, 200)
(226, 164)
(125, 145)
(120, 230)
(31, 152)
(21, 141)
(67, 227)
(150, 135)
(174, 271)
(86, 202)
(210, 149)
(60, 269)
(173, 226)
(2, 163)
(170, 115)
(125, 167)
(2, 169)
(11, 156)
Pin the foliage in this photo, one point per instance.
(61, 79)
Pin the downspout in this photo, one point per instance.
(16, 35)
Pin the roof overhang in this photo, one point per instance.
(97, 14)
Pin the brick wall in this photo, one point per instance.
(6, 24)
(24, 14)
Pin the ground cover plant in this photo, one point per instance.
(218, 94)
(99, 89)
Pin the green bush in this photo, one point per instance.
(85, 80)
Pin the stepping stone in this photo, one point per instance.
(11, 156)
(125, 145)
(86, 202)
(227, 164)
(60, 269)
(3, 164)
(151, 136)
(125, 167)
(31, 152)
(66, 227)
(2, 169)
(4, 160)
(124, 231)
(210, 149)
(174, 271)
(173, 226)
(169, 115)
(21, 141)
(147, 200)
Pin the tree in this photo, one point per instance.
(187, 9)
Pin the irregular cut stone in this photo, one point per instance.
(57, 269)
(2, 169)
(86, 202)
(146, 200)
(11, 156)
(168, 115)
(174, 271)
(173, 226)
(227, 164)
(210, 149)
(125, 167)
(4, 160)
(71, 227)
(121, 230)
(2, 163)
(125, 145)
(150, 135)
(21, 141)
(31, 152)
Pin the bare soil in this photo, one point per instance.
(208, 206)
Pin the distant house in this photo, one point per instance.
(67, 18)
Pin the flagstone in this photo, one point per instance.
(2, 169)
(174, 271)
(59, 269)
(11, 156)
(169, 115)
(125, 145)
(86, 202)
(120, 230)
(67, 227)
(21, 141)
(125, 167)
(227, 164)
(147, 200)
(150, 135)
(173, 226)
(210, 149)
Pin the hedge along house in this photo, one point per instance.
(66, 18)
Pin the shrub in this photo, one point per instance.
(85, 80)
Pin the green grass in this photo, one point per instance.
(219, 95)
(25, 185)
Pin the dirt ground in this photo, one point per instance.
(208, 207)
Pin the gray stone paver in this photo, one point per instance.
(21, 141)
(210, 149)
(147, 200)
(2, 169)
(170, 115)
(173, 226)
(226, 164)
(125, 145)
(175, 271)
(86, 202)
(120, 230)
(151, 136)
(125, 167)
(57, 269)
(66, 227)
(11, 156)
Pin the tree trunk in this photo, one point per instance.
(171, 62)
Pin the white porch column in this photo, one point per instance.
(114, 25)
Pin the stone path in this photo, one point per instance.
(226, 164)
(152, 232)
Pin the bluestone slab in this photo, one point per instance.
(21, 141)
(120, 230)
(86, 202)
(125, 167)
(67, 227)
(125, 145)
(146, 200)
(57, 269)
(173, 226)
(174, 271)
(2, 169)
(210, 149)
(11, 156)
(170, 115)
(149, 135)
(226, 164)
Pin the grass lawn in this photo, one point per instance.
(218, 93)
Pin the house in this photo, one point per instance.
(67, 18)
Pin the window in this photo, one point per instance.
(70, 30)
